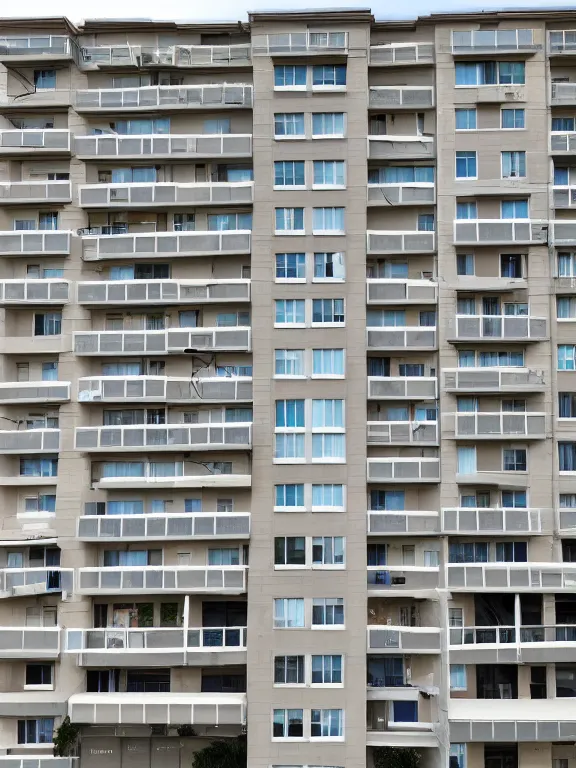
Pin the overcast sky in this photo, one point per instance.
(238, 9)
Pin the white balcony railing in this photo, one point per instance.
(300, 43)
(384, 522)
(164, 194)
(401, 54)
(25, 291)
(402, 432)
(190, 146)
(176, 437)
(38, 242)
(47, 139)
(393, 241)
(506, 327)
(478, 41)
(563, 93)
(104, 245)
(419, 337)
(230, 579)
(35, 191)
(155, 640)
(117, 389)
(29, 642)
(170, 56)
(403, 96)
(495, 520)
(505, 380)
(563, 141)
(402, 387)
(384, 290)
(19, 582)
(29, 441)
(212, 96)
(382, 638)
(409, 193)
(514, 577)
(409, 469)
(392, 147)
(562, 41)
(174, 340)
(403, 577)
(34, 392)
(140, 292)
(500, 231)
(40, 46)
(150, 527)
(496, 424)
(564, 196)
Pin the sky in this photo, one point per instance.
(232, 10)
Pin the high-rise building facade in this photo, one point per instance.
(288, 390)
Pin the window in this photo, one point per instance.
(566, 357)
(288, 724)
(564, 124)
(289, 76)
(328, 413)
(328, 220)
(290, 495)
(514, 209)
(329, 75)
(329, 266)
(561, 176)
(49, 371)
(514, 459)
(465, 119)
(289, 173)
(328, 311)
(511, 552)
(289, 446)
(45, 502)
(219, 125)
(129, 175)
(566, 405)
(186, 222)
(223, 222)
(328, 550)
(501, 359)
(411, 369)
(38, 731)
(327, 611)
(567, 457)
(290, 266)
(427, 318)
(328, 362)
(289, 220)
(290, 311)
(386, 318)
(511, 265)
(467, 210)
(565, 308)
(125, 508)
(329, 173)
(48, 324)
(192, 505)
(289, 124)
(142, 126)
(513, 118)
(514, 499)
(513, 165)
(45, 79)
(328, 124)
(490, 73)
(289, 550)
(387, 500)
(472, 552)
(466, 307)
(224, 556)
(457, 755)
(327, 496)
(289, 670)
(455, 617)
(327, 670)
(326, 723)
(458, 677)
(288, 362)
(39, 675)
(290, 413)
(466, 165)
(426, 222)
(288, 612)
(327, 446)
(568, 500)
(465, 264)
(38, 467)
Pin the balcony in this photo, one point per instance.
(515, 577)
(521, 328)
(390, 241)
(22, 582)
(563, 94)
(391, 147)
(402, 387)
(402, 433)
(493, 521)
(49, 291)
(163, 389)
(500, 232)
(388, 522)
(138, 292)
(165, 194)
(493, 380)
(14, 392)
(562, 143)
(402, 579)
(391, 291)
(403, 639)
(35, 243)
(153, 245)
(498, 41)
(564, 197)
(562, 42)
(403, 470)
(170, 56)
(153, 646)
(152, 527)
(173, 341)
(29, 642)
(36, 99)
(165, 97)
(151, 482)
(24, 192)
(415, 338)
(401, 54)
(162, 580)
(34, 142)
(396, 97)
(301, 44)
(162, 146)
(200, 709)
(386, 195)
(40, 49)
(43, 761)
(520, 644)
(29, 441)
(177, 437)
(499, 425)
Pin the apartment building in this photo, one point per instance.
(293, 298)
